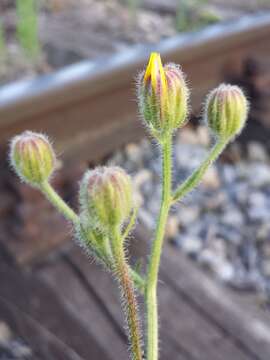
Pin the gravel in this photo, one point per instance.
(12, 347)
(224, 223)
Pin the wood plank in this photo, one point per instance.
(43, 343)
(108, 293)
(214, 303)
(179, 322)
(86, 307)
(202, 339)
(248, 329)
(32, 296)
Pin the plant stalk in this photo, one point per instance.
(58, 202)
(195, 178)
(153, 267)
(122, 271)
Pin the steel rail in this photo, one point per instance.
(90, 108)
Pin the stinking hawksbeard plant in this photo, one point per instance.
(108, 211)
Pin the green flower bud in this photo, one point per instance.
(163, 96)
(32, 157)
(226, 111)
(106, 196)
(92, 240)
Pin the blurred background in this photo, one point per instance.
(68, 69)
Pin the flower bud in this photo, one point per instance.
(163, 96)
(106, 196)
(32, 157)
(226, 111)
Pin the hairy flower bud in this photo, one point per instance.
(226, 111)
(106, 196)
(163, 96)
(32, 157)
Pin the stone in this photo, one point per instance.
(153, 205)
(134, 153)
(266, 250)
(211, 180)
(240, 193)
(5, 333)
(138, 198)
(21, 350)
(141, 177)
(233, 235)
(172, 226)
(188, 215)
(228, 173)
(188, 136)
(257, 199)
(189, 156)
(215, 202)
(233, 217)
(207, 258)
(259, 175)
(203, 135)
(266, 267)
(218, 247)
(191, 245)
(263, 233)
(256, 152)
(117, 159)
(146, 219)
(258, 213)
(225, 271)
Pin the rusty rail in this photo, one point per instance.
(90, 108)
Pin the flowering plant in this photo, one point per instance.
(107, 211)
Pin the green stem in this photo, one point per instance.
(194, 179)
(130, 303)
(58, 202)
(139, 281)
(153, 267)
(131, 223)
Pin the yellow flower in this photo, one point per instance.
(163, 96)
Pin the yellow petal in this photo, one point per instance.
(155, 70)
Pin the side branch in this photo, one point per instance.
(195, 178)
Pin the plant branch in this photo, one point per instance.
(153, 267)
(130, 224)
(195, 178)
(139, 281)
(122, 272)
(58, 202)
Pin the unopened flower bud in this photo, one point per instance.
(226, 111)
(106, 196)
(163, 96)
(32, 157)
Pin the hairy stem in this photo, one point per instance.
(70, 215)
(122, 271)
(153, 267)
(58, 202)
(194, 179)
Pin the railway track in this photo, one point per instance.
(89, 109)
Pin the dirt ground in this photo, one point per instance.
(72, 30)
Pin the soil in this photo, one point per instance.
(72, 30)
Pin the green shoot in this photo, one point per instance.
(27, 27)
